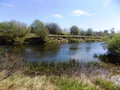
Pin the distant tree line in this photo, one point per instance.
(16, 30)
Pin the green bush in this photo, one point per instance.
(114, 48)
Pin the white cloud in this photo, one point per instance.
(80, 12)
(106, 3)
(57, 16)
(46, 17)
(7, 4)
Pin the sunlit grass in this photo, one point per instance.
(106, 85)
(17, 74)
(22, 82)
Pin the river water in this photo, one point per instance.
(84, 52)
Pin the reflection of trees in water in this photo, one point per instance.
(73, 48)
(19, 49)
(14, 49)
(33, 51)
(104, 46)
(44, 51)
(88, 47)
(95, 55)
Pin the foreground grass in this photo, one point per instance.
(71, 83)
(15, 74)
(42, 82)
(22, 82)
(106, 85)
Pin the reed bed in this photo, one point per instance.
(18, 74)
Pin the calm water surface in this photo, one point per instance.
(84, 52)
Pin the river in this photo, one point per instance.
(84, 52)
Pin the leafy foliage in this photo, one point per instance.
(13, 31)
(53, 28)
(89, 32)
(74, 30)
(39, 29)
(114, 46)
(14, 28)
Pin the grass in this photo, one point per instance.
(66, 83)
(106, 85)
(22, 82)
(73, 40)
(15, 74)
(42, 82)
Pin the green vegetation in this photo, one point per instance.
(39, 29)
(56, 40)
(23, 82)
(74, 30)
(89, 32)
(113, 45)
(76, 40)
(106, 85)
(67, 83)
(17, 31)
(39, 32)
(53, 28)
(16, 74)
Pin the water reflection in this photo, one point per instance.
(83, 52)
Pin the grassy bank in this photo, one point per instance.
(17, 74)
(34, 39)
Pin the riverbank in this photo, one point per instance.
(33, 39)
(17, 74)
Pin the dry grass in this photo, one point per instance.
(22, 82)
(16, 75)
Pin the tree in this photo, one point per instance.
(14, 28)
(74, 30)
(18, 29)
(106, 32)
(13, 31)
(112, 31)
(39, 29)
(89, 32)
(82, 32)
(53, 28)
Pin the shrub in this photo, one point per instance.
(114, 48)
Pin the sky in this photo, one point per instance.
(95, 14)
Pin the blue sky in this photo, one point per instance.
(96, 14)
